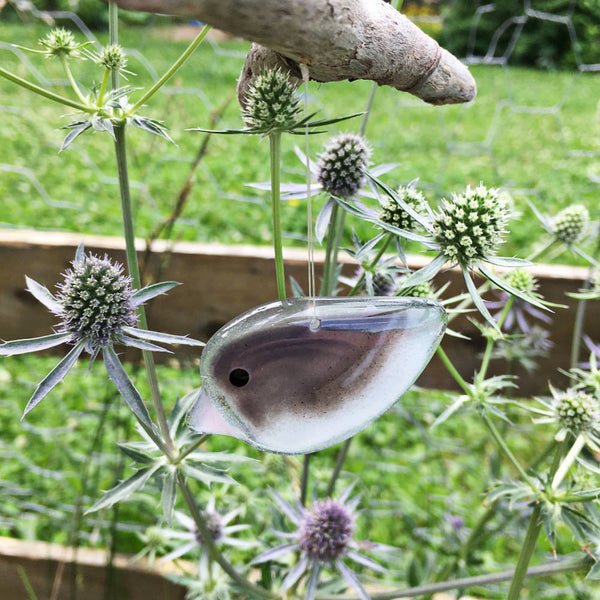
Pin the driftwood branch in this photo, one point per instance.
(336, 39)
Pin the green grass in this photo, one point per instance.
(411, 479)
(445, 147)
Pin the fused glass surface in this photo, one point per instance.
(295, 376)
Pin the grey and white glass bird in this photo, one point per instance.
(299, 375)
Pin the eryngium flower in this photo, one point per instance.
(96, 302)
(324, 536)
(516, 318)
(112, 58)
(392, 212)
(61, 42)
(422, 290)
(326, 530)
(522, 280)
(471, 225)
(576, 412)
(271, 103)
(342, 164)
(190, 540)
(97, 307)
(570, 224)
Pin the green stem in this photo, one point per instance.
(172, 70)
(508, 453)
(487, 355)
(47, 94)
(368, 108)
(540, 251)
(26, 584)
(544, 570)
(212, 548)
(103, 84)
(339, 463)
(275, 151)
(134, 271)
(197, 443)
(568, 460)
(304, 480)
(533, 532)
(361, 279)
(72, 81)
(329, 265)
(453, 371)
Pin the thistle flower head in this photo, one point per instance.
(324, 536)
(393, 214)
(96, 301)
(60, 42)
(215, 526)
(342, 163)
(154, 538)
(422, 290)
(272, 103)
(522, 280)
(570, 224)
(112, 58)
(326, 530)
(469, 226)
(576, 411)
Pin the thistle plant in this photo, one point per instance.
(96, 306)
(324, 536)
(100, 307)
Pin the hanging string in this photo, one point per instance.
(315, 323)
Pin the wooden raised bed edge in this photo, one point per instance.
(220, 282)
(86, 576)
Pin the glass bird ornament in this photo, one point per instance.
(298, 375)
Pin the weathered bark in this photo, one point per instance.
(336, 39)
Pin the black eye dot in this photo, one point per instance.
(239, 377)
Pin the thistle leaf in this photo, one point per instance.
(128, 391)
(33, 344)
(165, 338)
(54, 377)
(169, 493)
(151, 291)
(126, 488)
(141, 344)
(43, 295)
(76, 130)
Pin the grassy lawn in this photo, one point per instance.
(547, 155)
(413, 481)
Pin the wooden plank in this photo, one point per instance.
(82, 574)
(220, 282)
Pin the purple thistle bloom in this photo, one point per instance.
(517, 314)
(326, 530)
(324, 536)
(342, 163)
